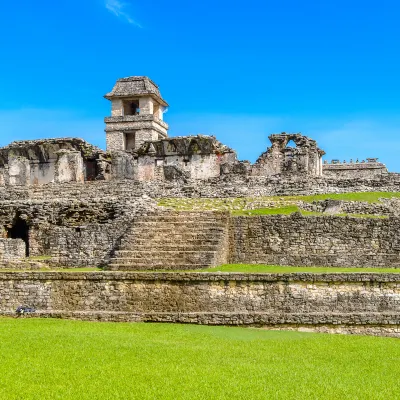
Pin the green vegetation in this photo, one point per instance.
(287, 210)
(278, 269)
(58, 359)
(51, 269)
(284, 205)
(369, 197)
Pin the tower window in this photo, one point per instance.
(131, 108)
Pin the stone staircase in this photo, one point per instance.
(170, 240)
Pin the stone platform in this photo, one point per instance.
(341, 303)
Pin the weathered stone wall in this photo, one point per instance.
(386, 207)
(304, 158)
(358, 303)
(72, 232)
(326, 240)
(358, 170)
(12, 249)
(40, 162)
(218, 187)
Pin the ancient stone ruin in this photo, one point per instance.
(139, 149)
(67, 203)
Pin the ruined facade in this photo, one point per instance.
(139, 149)
(303, 158)
(40, 162)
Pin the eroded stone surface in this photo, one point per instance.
(342, 303)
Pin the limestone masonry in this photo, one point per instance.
(67, 203)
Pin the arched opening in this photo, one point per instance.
(291, 144)
(20, 230)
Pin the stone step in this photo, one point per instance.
(211, 241)
(151, 248)
(179, 217)
(180, 222)
(200, 236)
(172, 233)
(161, 260)
(182, 228)
(166, 266)
(166, 253)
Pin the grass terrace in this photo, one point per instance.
(284, 205)
(59, 359)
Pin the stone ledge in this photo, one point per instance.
(224, 318)
(202, 276)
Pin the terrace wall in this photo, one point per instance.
(346, 303)
(325, 241)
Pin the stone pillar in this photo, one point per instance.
(19, 171)
(69, 167)
(146, 106)
(117, 108)
(115, 141)
(146, 168)
(145, 135)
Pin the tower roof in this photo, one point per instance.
(136, 86)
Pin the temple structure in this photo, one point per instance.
(139, 149)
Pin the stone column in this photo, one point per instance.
(19, 171)
(69, 167)
(115, 141)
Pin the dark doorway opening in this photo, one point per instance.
(20, 230)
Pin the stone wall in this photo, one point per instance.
(356, 170)
(326, 241)
(12, 249)
(72, 232)
(386, 207)
(226, 187)
(302, 158)
(356, 303)
(40, 162)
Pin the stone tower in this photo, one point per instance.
(136, 114)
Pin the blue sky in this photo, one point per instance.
(239, 70)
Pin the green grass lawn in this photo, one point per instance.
(56, 359)
(278, 269)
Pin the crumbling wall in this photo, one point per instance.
(193, 157)
(356, 170)
(305, 158)
(40, 162)
(326, 241)
(74, 232)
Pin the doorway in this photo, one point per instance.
(130, 141)
(20, 230)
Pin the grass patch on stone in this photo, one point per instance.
(51, 269)
(278, 269)
(369, 197)
(288, 210)
(58, 359)
(269, 205)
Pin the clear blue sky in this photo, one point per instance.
(239, 70)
